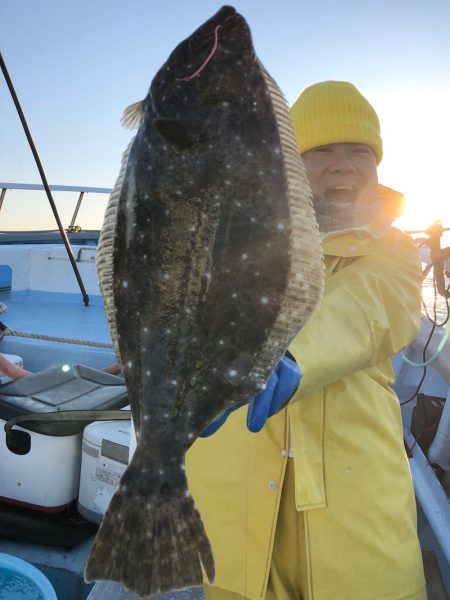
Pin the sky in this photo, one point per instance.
(77, 64)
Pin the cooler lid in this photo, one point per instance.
(67, 388)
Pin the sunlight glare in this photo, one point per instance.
(422, 208)
(416, 133)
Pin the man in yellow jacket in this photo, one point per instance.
(319, 505)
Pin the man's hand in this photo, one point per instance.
(282, 383)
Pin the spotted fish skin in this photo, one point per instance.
(214, 264)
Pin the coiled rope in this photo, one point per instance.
(12, 370)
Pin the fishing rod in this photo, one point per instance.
(44, 179)
(438, 255)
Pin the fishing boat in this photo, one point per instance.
(60, 336)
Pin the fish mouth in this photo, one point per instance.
(342, 195)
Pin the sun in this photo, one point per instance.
(422, 208)
(415, 162)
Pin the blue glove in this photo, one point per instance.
(282, 383)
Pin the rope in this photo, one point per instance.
(50, 338)
(15, 372)
(12, 370)
(112, 369)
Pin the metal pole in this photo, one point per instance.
(77, 208)
(44, 179)
(2, 197)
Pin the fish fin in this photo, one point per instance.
(151, 543)
(174, 132)
(105, 249)
(133, 115)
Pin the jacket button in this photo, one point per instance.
(272, 485)
(284, 453)
(352, 248)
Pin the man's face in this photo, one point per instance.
(342, 173)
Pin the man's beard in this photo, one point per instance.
(333, 217)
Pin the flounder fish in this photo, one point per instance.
(209, 263)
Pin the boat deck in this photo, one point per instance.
(45, 300)
(63, 316)
(50, 313)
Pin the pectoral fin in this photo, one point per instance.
(133, 115)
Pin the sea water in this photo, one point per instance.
(14, 586)
(428, 299)
(428, 294)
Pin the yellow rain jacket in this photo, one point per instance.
(352, 478)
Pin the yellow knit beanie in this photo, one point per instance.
(335, 111)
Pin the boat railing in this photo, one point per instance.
(81, 190)
(61, 234)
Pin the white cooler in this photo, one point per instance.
(104, 458)
(40, 458)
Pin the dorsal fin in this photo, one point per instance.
(133, 115)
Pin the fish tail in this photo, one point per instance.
(151, 543)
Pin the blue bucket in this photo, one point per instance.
(20, 580)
